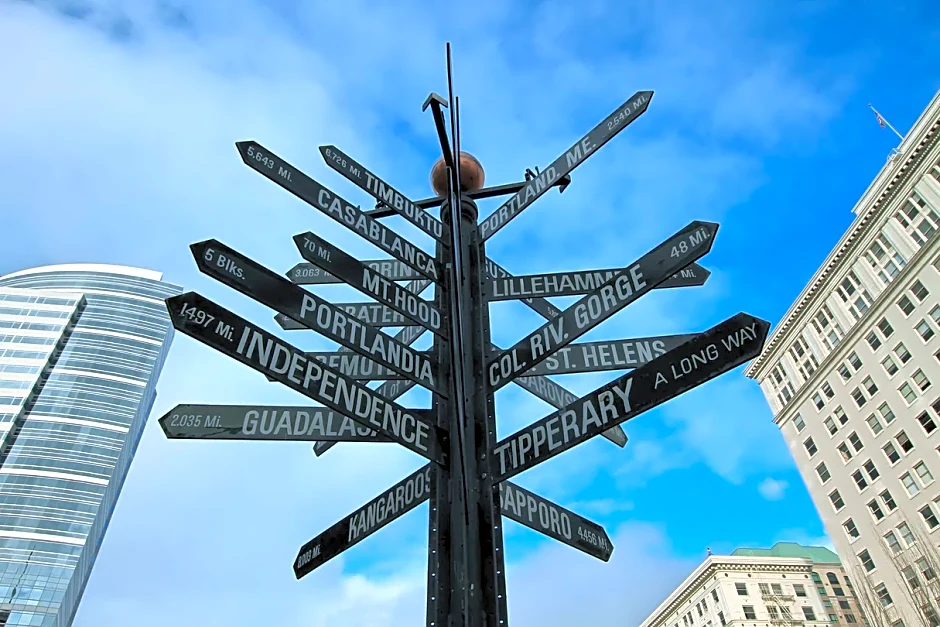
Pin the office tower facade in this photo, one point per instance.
(852, 374)
(81, 347)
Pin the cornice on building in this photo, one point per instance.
(713, 566)
(886, 187)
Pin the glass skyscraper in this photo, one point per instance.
(81, 347)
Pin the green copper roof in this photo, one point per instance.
(818, 554)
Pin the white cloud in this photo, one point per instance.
(772, 489)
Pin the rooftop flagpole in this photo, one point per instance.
(883, 122)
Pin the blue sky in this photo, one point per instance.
(118, 123)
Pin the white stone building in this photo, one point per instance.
(786, 585)
(852, 374)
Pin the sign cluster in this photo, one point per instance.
(345, 408)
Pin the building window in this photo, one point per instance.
(891, 453)
(823, 472)
(843, 448)
(890, 367)
(874, 424)
(888, 501)
(924, 330)
(741, 589)
(869, 386)
(860, 481)
(904, 442)
(935, 314)
(833, 579)
(907, 393)
(875, 510)
(918, 219)
(856, 442)
(884, 259)
(844, 372)
(885, 410)
(927, 422)
(829, 330)
(840, 415)
(780, 381)
(799, 589)
(867, 562)
(715, 596)
(851, 531)
(772, 611)
(721, 618)
(850, 618)
(798, 423)
(827, 390)
(885, 327)
(930, 614)
(906, 534)
(837, 503)
(856, 298)
(923, 473)
(909, 484)
(804, 358)
(892, 541)
(869, 467)
(808, 613)
(749, 612)
(859, 397)
(906, 306)
(929, 518)
(830, 425)
(918, 291)
(873, 341)
(764, 588)
(818, 401)
(903, 354)
(920, 380)
(810, 446)
(925, 569)
(911, 576)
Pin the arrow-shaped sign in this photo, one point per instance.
(382, 191)
(608, 355)
(391, 269)
(290, 423)
(549, 285)
(232, 335)
(272, 290)
(318, 251)
(708, 355)
(390, 505)
(686, 246)
(553, 520)
(563, 165)
(262, 160)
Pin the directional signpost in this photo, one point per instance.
(466, 477)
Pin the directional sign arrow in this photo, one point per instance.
(607, 355)
(633, 108)
(382, 191)
(232, 335)
(391, 269)
(296, 182)
(708, 355)
(646, 273)
(268, 288)
(358, 367)
(574, 283)
(318, 251)
(390, 505)
(288, 423)
(553, 520)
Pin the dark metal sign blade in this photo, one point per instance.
(265, 162)
(284, 423)
(385, 193)
(708, 355)
(622, 117)
(552, 284)
(392, 504)
(230, 267)
(228, 333)
(540, 514)
(686, 246)
(318, 251)
(391, 269)
(606, 355)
